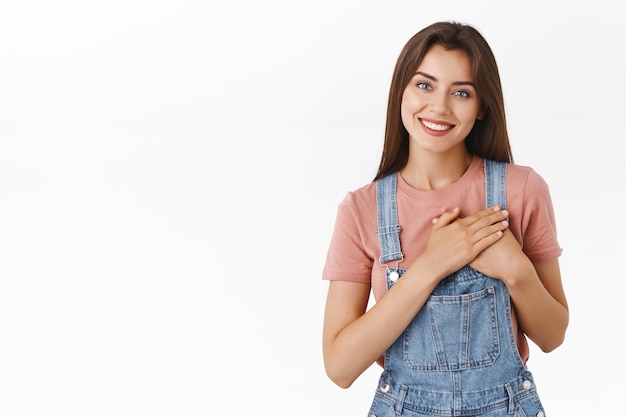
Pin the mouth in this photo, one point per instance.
(438, 127)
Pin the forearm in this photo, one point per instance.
(543, 316)
(363, 341)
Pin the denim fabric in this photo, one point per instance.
(458, 356)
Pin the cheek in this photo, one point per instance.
(470, 115)
(407, 116)
(408, 108)
(403, 109)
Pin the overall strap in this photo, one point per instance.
(495, 183)
(388, 227)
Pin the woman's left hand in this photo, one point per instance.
(502, 259)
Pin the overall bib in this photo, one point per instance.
(458, 356)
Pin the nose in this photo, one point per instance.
(440, 103)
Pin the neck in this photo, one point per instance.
(430, 171)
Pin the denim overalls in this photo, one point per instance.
(458, 356)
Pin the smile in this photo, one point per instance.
(436, 126)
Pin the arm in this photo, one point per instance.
(354, 338)
(535, 288)
(540, 303)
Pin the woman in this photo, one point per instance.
(457, 244)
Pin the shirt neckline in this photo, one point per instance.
(454, 188)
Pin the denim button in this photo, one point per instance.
(527, 385)
(393, 276)
(540, 414)
(385, 388)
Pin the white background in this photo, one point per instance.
(169, 177)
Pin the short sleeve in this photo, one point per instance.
(538, 220)
(347, 259)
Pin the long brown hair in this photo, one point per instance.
(488, 138)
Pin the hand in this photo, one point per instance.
(455, 242)
(502, 259)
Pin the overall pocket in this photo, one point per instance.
(453, 332)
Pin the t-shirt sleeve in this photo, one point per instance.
(539, 225)
(347, 258)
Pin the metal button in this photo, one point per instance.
(385, 388)
(527, 385)
(393, 276)
(540, 414)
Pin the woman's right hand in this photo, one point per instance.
(455, 242)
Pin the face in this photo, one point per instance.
(440, 103)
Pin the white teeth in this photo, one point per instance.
(435, 126)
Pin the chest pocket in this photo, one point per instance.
(452, 332)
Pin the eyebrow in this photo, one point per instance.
(430, 77)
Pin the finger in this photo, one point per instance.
(494, 229)
(447, 217)
(488, 240)
(486, 217)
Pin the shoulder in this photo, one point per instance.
(526, 179)
(362, 198)
(530, 203)
(357, 209)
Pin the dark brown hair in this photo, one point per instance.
(488, 138)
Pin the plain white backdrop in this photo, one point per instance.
(169, 177)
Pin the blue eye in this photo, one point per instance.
(461, 94)
(423, 86)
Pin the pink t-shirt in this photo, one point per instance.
(354, 248)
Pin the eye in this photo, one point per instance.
(424, 86)
(461, 93)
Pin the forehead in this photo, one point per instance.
(441, 63)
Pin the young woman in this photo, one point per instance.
(457, 244)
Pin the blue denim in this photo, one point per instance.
(458, 356)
